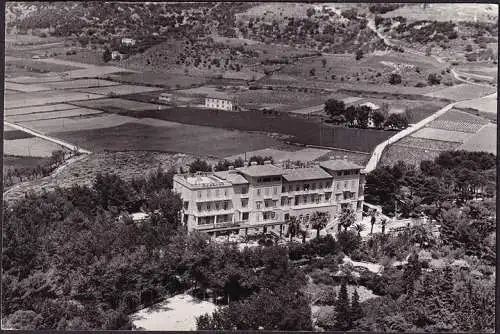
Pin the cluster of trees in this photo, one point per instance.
(360, 116)
(382, 8)
(16, 175)
(200, 165)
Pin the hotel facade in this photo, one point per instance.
(262, 198)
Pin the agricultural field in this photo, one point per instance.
(189, 139)
(462, 92)
(413, 156)
(98, 121)
(447, 12)
(19, 162)
(31, 79)
(76, 112)
(49, 97)
(429, 144)
(30, 147)
(13, 63)
(282, 125)
(25, 88)
(486, 106)
(173, 80)
(16, 134)
(117, 90)
(126, 164)
(117, 104)
(81, 83)
(484, 140)
(38, 109)
(439, 134)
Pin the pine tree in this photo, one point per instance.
(342, 316)
(356, 310)
(412, 272)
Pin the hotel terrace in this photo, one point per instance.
(262, 198)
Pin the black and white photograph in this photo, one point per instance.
(235, 166)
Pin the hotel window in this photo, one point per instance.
(244, 216)
(339, 173)
(244, 202)
(244, 190)
(258, 204)
(208, 193)
(283, 189)
(297, 187)
(258, 192)
(216, 192)
(297, 200)
(266, 191)
(199, 194)
(208, 206)
(225, 205)
(284, 201)
(225, 192)
(275, 190)
(290, 188)
(304, 198)
(186, 205)
(199, 206)
(273, 215)
(317, 199)
(306, 186)
(275, 203)
(217, 207)
(313, 186)
(327, 196)
(345, 184)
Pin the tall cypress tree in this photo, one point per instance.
(356, 310)
(342, 310)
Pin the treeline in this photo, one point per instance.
(16, 175)
(200, 165)
(360, 116)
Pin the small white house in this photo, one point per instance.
(165, 98)
(116, 55)
(221, 101)
(128, 41)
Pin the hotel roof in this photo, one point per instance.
(234, 178)
(339, 165)
(261, 170)
(311, 173)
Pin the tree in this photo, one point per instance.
(412, 271)
(319, 221)
(396, 121)
(356, 310)
(395, 79)
(334, 107)
(199, 166)
(323, 62)
(342, 311)
(378, 118)
(359, 228)
(106, 56)
(293, 227)
(363, 115)
(372, 222)
(347, 217)
(350, 114)
(359, 54)
(434, 79)
(310, 12)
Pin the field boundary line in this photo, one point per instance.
(335, 148)
(52, 139)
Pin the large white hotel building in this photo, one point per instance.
(261, 198)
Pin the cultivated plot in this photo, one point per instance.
(118, 89)
(33, 110)
(117, 103)
(190, 139)
(41, 98)
(35, 80)
(462, 92)
(484, 140)
(90, 122)
(444, 135)
(485, 104)
(30, 147)
(52, 115)
(25, 88)
(80, 83)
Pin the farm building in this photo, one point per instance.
(116, 55)
(221, 101)
(128, 41)
(165, 98)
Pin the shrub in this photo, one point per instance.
(421, 84)
(394, 79)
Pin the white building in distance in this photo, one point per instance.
(128, 41)
(221, 101)
(262, 198)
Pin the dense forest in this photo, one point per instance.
(74, 259)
